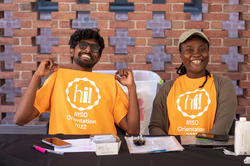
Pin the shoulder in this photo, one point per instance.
(221, 80)
(165, 88)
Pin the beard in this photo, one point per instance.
(86, 63)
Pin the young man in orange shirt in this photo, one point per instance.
(81, 101)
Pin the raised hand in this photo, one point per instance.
(46, 67)
(125, 77)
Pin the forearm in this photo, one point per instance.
(133, 116)
(26, 111)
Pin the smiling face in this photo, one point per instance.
(195, 56)
(86, 54)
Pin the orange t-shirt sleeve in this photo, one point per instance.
(43, 95)
(121, 105)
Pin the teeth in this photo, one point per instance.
(196, 61)
(85, 56)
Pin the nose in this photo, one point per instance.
(87, 49)
(197, 52)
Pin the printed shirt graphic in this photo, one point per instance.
(82, 102)
(191, 109)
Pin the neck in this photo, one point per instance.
(196, 75)
(78, 67)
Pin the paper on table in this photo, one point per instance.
(79, 145)
(192, 140)
(155, 144)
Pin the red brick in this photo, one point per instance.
(103, 7)
(103, 16)
(140, 59)
(244, 34)
(21, 83)
(8, 41)
(140, 41)
(7, 108)
(140, 16)
(139, 50)
(25, 66)
(25, 15)
(41, 57)
(244, 101)
(215, 68)
(241, 110)
(103, 24)
(26, 75)
(82, 7)
(218, 51)
(141, 24)
(26, 41)
(6, 75)
(8, 6)
(122, 24)
(64, 24)
(158, 7)
(177, 24)
(196, 25)
(26, 24)
(104, 59)
(139, 33)
(216, 25)
(245, 1)
(159, 41)
(26, 58)
(62, 32)
(215, 42)
(42, 24)
(121, 58)
(64, 59)
(212, 16)
(25, 49)
(172, 50)
(247, 92)
(104, 67)
(177, 8)
(236, 75)
(176, 59)
(108, 50)
(25, 32)
(215, 58)
(244, 84)
(244, 67)
(177, 16)
(140, 66)
(63, 7)
(245, 51)
(216, 33)
(235, 42)
(60, 50)
(235, 8)
(215, 8)
(25, 7)
(139, 7)
(63, 15)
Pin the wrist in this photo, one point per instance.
(36, 76)
(131, 87)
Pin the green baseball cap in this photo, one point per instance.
(185, 35)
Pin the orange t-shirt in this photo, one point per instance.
(191, 109)
(82, 102)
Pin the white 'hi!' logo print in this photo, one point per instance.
(81, 91)
(192, 101)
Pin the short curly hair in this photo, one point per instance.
(85, 34)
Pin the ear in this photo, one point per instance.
(72, 51)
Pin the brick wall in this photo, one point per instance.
(141, 34)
